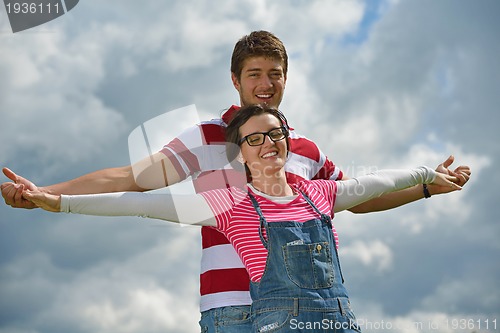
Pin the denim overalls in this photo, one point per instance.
(302, 288)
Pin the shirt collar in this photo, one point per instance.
(228, 115)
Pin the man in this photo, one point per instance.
(259, 67)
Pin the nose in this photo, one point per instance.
(266, 81)
(267, 140)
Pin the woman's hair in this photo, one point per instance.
(239, 118)
(258, 44)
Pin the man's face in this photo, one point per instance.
(262, 81)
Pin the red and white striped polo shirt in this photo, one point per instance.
(239, 222)
(199, 152)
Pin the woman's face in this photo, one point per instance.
(268, 158)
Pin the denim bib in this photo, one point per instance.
(302, 273)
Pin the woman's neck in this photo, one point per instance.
(275, 185)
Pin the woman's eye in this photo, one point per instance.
(276, 134)
(253, 139)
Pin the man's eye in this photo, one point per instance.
(276, 75)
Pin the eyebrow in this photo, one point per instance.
(254, 70)
(257, 69)
(261, 132)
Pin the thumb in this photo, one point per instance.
(10, 174)
(448, 161)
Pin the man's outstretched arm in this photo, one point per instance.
(399, 198)
(151, 173)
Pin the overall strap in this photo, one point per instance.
(262, 220)
(324, 217)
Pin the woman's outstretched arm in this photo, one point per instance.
(185, 209)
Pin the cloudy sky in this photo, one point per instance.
(377, 84)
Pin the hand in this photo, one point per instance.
(49, 202)
(446, 181)
(12, 191)
(461, 174)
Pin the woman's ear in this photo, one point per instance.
(240, 158)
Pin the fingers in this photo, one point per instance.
(43, 200)
(446, 183)
(18, 196)
(13, 196)
(31, 196)
(12, 193)
(463, 169)
(462, 177)
(27, 195)
(452, 181)
(462, 173)
(455, 185)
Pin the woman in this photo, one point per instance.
(282, 232)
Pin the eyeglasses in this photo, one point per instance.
(257, 139)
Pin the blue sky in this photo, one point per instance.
(372, 13)
(377, 84)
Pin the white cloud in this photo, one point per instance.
(426, 322)
(51, 109)
(339, 17)
(450, 293)
(122, 294)
(374, 254)
(147, 307)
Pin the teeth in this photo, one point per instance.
(264, 96)
(269, 154)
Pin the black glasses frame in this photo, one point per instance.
(262, 135)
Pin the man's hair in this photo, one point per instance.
(240, 117)
(258, 44)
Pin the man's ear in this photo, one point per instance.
(236, 82)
